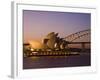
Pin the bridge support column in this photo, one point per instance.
(83, 46)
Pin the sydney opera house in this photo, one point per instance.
(50, 42)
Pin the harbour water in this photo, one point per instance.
(84, 59)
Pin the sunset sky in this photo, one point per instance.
(37, 24)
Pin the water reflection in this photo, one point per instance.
(56, 61)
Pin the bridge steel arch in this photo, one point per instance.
(77, 35)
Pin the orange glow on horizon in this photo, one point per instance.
(35, 44)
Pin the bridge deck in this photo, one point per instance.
(79, 42)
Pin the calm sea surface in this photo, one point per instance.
(56, 61)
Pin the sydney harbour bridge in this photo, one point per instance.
(56, 46)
